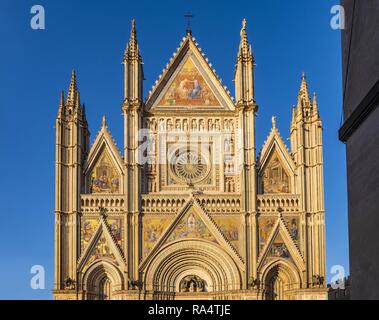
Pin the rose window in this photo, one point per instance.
(190, 167)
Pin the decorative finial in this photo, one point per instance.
(243, 29)
(303, 77)
(273, 120)
(104, 122)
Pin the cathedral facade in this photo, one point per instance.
(188, 209)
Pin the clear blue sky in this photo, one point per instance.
(287, 38)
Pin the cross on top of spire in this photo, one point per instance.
(189, 16)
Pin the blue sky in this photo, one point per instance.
(287, 38)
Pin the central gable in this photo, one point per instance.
(188, 88)
(189, 82)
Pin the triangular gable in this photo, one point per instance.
(101, 246)
(281, 245)
(104, 163)
(189, 81)
(275, 154)
(191, 225)
(188, 88)
(192, 222)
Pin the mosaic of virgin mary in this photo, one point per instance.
(189, 88)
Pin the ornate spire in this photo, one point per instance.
(132, 48)
(133, 67)
(73, 99)
(303, 96)
(244, 71)
(244, 51)
(315, 104)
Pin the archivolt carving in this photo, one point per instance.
(203, 259)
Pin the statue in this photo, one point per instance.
(69, 284)
(192, 284)
(194, 124)
(254, 282)
(318, 280)
(273, 120)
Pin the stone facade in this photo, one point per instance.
(189, 210)
(360, 133)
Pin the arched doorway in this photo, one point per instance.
(105, 289)
(101, 280)
(191, 267)
(279, 279)
(276, 284)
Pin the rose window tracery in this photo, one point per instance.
(190, 167)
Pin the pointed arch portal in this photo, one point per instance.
(210, 268)
(279, 279)
(101, 280)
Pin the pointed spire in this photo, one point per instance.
(73, 99)
(61, 100)
(303, 96)
(315, 104)
(132, 48)
(133, 36)
(244, 48)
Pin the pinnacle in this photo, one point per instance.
(244, 48)
(132, 48)
(104, 122)
(273, 120)
(303, 95)
(61, 100)
(73, 98)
